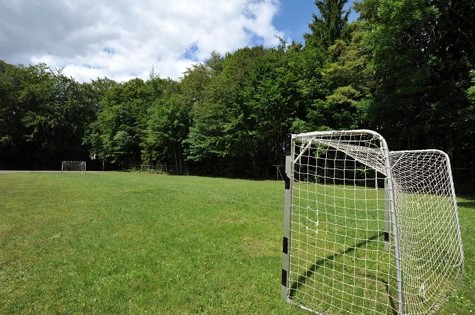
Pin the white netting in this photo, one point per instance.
(78, 166)
(344, 249)
(429, 233)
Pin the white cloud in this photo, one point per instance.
(122, 39)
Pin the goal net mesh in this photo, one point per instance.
(429, 233)
(370, 231)
(78, 166)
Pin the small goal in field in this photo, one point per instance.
(74, 166)
(367, 230)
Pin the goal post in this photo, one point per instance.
(75, 166)
(367, 230)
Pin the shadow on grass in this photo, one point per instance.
(466, 204)
(319, 263)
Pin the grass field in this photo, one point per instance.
(131, 243)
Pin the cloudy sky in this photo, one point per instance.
(123, 39)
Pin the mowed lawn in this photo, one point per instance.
(132, 243)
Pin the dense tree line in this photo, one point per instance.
(405, 68)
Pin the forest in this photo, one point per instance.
(404, 68)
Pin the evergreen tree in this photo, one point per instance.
(329, 25)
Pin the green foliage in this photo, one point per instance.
(423, 52)
(471, 89)
(167, 128)
(349, 84)
(247, 109)
(43, 116)
(119, 128)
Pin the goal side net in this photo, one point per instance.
(367, 230)
(77, 166)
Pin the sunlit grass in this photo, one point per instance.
(134, 243)
(129, 243)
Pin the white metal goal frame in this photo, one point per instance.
(75, 166)
(367, 230)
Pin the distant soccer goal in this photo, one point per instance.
(366, 230)
(77, 166)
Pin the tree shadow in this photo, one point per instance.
(466, 204)
(319, 263)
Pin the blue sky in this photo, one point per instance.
(294, 16)
(123, 39)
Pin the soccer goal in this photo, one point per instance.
(366, 230)
(78, 166)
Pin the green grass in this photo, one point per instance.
(463, 301)
(130, 243)
(340, 262)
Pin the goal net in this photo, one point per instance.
(366, 230)
(78, 166)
